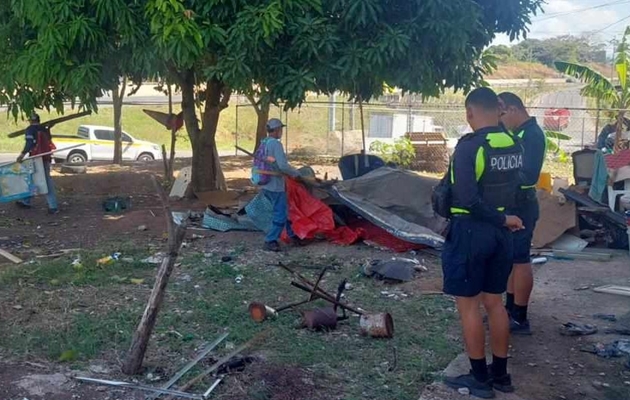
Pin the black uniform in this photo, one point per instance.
(477, 254)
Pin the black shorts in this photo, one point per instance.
(476, 258)
(528, 211)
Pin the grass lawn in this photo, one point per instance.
(76, 314)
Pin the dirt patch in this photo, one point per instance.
(548, 365)
(44, 382)
(278, 382)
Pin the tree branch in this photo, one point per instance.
(226, 93)
(254, 103)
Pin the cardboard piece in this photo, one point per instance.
(555, 219)
(569, 243)
(180, 186)
(224, 199)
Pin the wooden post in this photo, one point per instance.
(176, 234)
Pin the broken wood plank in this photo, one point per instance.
(587, 256)
(10, 257)
(176, 234)
(613, 289)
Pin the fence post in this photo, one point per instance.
(343, 126)
(583, 127)
(236, 131)
(286, 130)
(597, 122)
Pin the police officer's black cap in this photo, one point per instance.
(483, 97)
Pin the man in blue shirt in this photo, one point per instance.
(275, 189)
(477, 253)
(515, 118)
(31, 136)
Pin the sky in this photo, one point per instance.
(605, 18)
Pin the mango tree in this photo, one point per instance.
(74, 50)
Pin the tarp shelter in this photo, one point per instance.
(398, 201)
(390, 207)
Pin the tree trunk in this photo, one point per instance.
(117, 104)
(206, 167)
(262, 113)
(171, 160)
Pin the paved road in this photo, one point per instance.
(582, 123)
(6, 157)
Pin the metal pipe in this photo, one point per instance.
(328, 298)
(191, 364)
(211, 388)
(128, 385)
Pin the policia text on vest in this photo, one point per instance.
(497, 153)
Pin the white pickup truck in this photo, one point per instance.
(98, 145)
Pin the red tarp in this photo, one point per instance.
(310, 217)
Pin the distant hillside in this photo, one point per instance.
(523, 70)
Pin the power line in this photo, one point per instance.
(613, 24)
(554, 15)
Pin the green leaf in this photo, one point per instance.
(557, 135)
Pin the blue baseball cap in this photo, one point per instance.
(273, 124)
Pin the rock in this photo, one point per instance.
(226, 259)
(627, 383)
(606, 385)
(597, 384)
(142, 228)
(464, 391)
(532, 364)
(99, 369)
(42, 385)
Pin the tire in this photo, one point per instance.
(73, 169)
(76, 157)
(146, 157)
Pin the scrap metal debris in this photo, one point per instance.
(136, 386)
(373, 325)
(618, 348)
(576, 329)
(397, 269)
(606, 317)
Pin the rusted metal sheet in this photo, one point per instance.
(377, 325)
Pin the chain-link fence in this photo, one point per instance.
(334, 128)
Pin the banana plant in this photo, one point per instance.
(553, 143)
(617, 96)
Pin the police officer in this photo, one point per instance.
(477, 254)
(514, 117)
